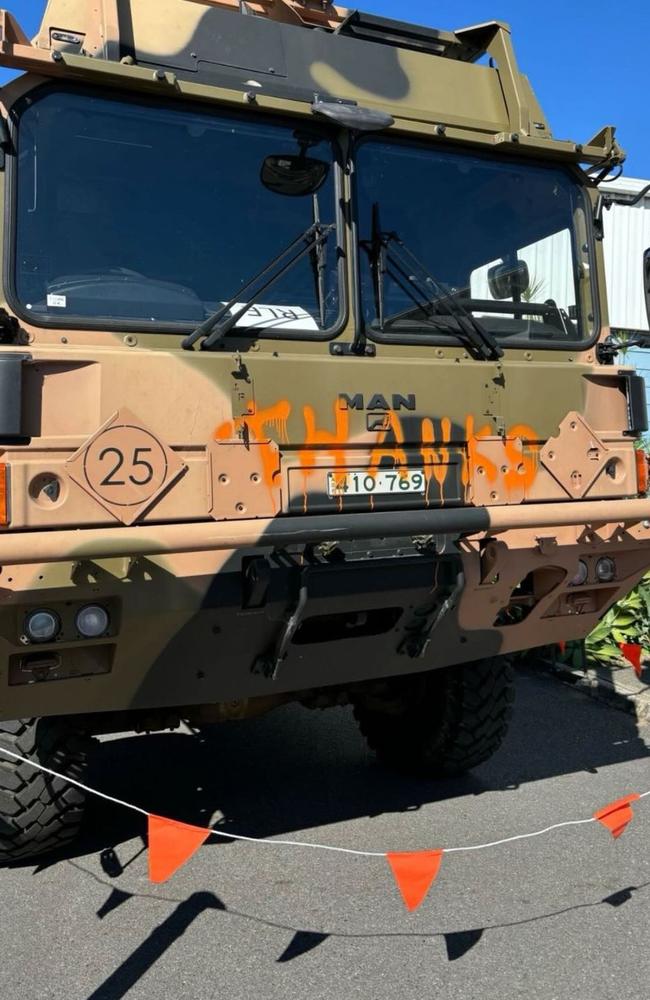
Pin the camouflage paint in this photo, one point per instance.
(251, 472)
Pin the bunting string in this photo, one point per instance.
(172, 843)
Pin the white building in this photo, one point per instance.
(627, 236)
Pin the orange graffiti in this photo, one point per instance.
(395, 452)
(519, 448)
(437, 458)
(476, 460)
(256, 424)
(522, 461)
(315, 437)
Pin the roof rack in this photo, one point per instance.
(387, 31)
(311, 13)
(467, 45)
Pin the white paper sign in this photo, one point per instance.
(276, 317)
(57, 301)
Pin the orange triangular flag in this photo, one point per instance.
(617, 815)
(414, 872)
(632, 653)
(171, 844)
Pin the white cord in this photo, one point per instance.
(295, 843)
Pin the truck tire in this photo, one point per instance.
(39, 813)
(441, 723)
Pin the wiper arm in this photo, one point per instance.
(469, 327)
(319, 264)
(214, 330)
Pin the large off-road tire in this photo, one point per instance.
(39, 813)
(441, 723)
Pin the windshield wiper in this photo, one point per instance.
(383, 255)
(213, 329)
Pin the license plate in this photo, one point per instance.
(384, 482)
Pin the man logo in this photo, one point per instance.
(377, 402)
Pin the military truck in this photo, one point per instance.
(307, 391)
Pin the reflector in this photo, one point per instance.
(4, 494)
(642, 470)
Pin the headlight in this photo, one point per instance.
(42, 625)
(605, 570)
(92, 621)
(581, 574)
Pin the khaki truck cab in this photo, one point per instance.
(306, 386)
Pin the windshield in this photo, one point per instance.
(503, 241)
(136, 214)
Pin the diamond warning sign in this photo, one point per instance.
(125, 467)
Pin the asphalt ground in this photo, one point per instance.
(561, 916)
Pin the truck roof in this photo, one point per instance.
(464, 84)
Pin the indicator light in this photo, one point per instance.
(42, 625)
(581, 574)
(92, 621)
(605, 570)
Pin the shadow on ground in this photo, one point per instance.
(296, 769)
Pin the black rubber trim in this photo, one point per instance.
(637, 404)
(11, 394)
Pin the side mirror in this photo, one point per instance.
(646, 281)
(508, 281)
(294, 176)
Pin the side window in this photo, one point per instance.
(550, 270)
(547, 278)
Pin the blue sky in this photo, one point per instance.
(588, 62)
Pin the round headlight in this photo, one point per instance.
(581, 574)
(92, 621)
(605, 570)
(42, 625)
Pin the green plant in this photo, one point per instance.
(627, 622)
(534, 290)
(533, 293)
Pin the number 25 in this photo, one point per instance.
(136, 462)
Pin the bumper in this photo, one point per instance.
(57, 546)
(206, 613)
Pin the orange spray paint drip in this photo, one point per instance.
(522, 462)
(436, 458)
(475, 459)
(275, 417)
(385, 449)
(333, 444)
